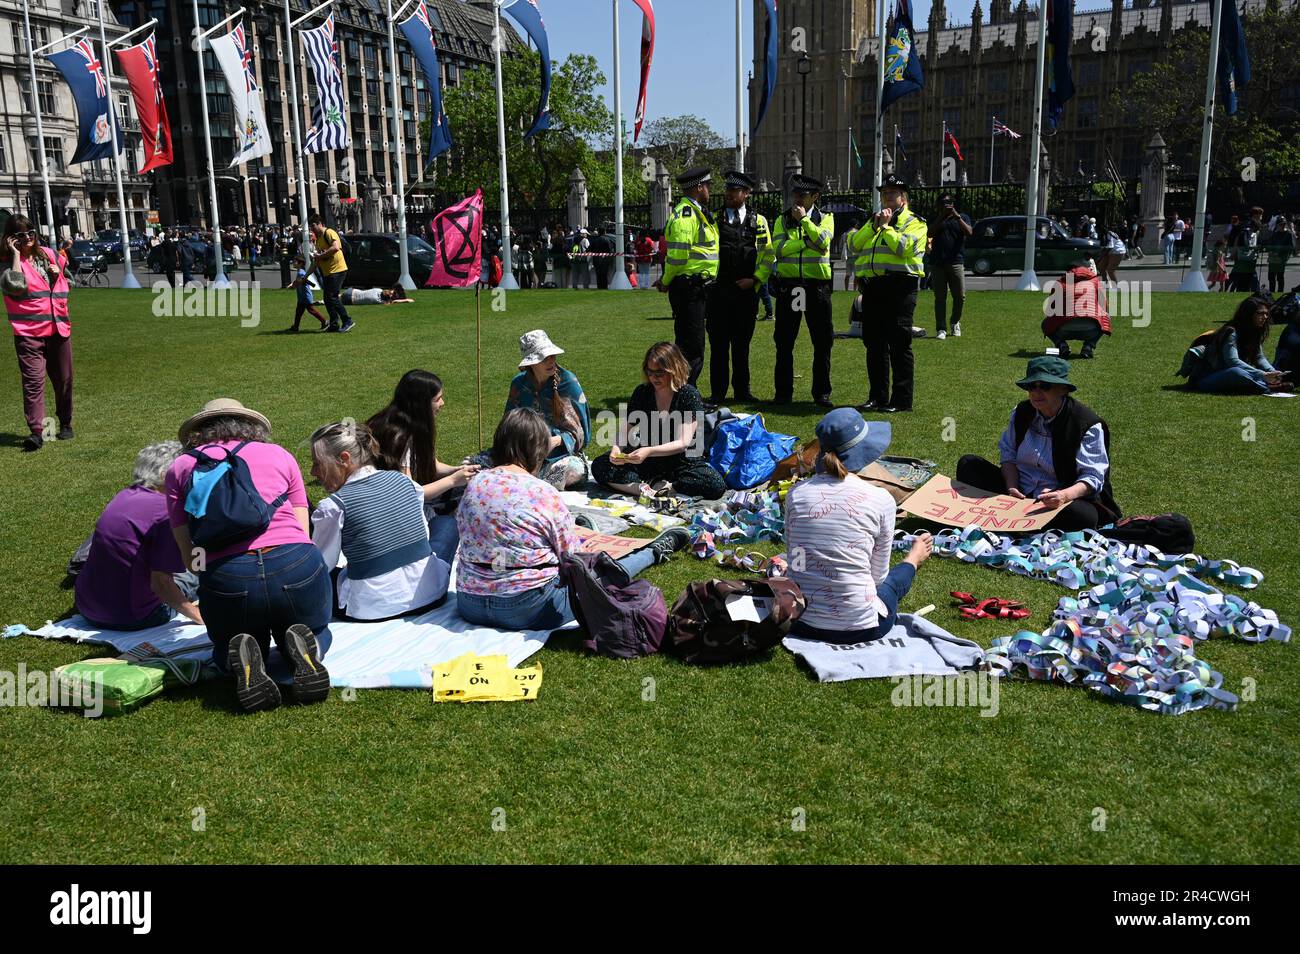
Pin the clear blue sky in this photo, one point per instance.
(685, 29)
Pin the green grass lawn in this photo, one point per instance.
(716, 766)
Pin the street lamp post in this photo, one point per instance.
(805, 67)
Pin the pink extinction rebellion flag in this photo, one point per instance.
(458, 242)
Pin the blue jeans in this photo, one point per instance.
(263, 594)
(444, 536)
(1167, 246)
(1232, 381)
(765, 295)
(545, 607)
(890, 590)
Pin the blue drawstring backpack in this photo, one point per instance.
(746, 453)
(223, 503)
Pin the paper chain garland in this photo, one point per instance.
(1131, 634)
(749, 516)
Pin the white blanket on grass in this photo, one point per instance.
(914, 647)
(398, 654)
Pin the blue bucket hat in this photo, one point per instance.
(855, 441)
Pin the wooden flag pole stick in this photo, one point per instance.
(478, 355)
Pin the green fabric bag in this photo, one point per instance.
(117, 686)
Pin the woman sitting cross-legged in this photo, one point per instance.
(134, 577)
(839, 532)
(514, 528)
(544, 386)
(407, 433)
(375, 518)
(657, 437)
(263, 586)
(1231, 360)
(1055, 449)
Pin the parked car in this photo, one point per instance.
(109, 242)
(373, 261)
(998, 244)
(85, 253)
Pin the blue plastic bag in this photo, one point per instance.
(746, 453)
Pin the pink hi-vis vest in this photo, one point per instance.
(43, 311)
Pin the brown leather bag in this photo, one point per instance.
(701, 630)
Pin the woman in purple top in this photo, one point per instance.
(133, 577)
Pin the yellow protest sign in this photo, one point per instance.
(474, 678)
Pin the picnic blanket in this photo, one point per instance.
(397, 654)
(914, 647)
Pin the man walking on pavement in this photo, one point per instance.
(744, 243)
(889, 250)
(691, 265)
(800, 263)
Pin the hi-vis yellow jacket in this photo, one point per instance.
(692, 239)
(897, 248)
(800, 251)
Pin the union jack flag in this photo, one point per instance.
(245, 57)
(93, 66)
(149, 49)
(1002, 129)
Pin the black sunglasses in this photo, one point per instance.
(1037, 386)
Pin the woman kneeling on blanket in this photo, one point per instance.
(839, 531)
(1054, 449)
(273, 586)
(376, 519)
(514, 528)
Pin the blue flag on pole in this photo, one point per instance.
(1234, 64)
(84, 72)
(769, 62)
(527, 14)
(419, 33)
(902, 59)
(1060, 78)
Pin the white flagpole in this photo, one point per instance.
(993, 140)
(219, 280)
(128, 278)
(740, 107)
(879, 162)
(1194, 279)
(498, 41)
(618, 281)
(1028, 277)
(40, 128)
(399, 199)
(290, 42)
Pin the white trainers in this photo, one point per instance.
(956, 330)
(941, 335)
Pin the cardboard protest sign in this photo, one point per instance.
(951, 502)
(616, 547)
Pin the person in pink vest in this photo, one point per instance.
(35, 291)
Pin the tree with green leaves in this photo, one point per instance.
(538, 168)
(1266, 127)
(680, 141)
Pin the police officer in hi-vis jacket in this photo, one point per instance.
(691, 265)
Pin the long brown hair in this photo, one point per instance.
(21, 223)
(407, 423)
(1250, 337)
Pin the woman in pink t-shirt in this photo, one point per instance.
(273, 586)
